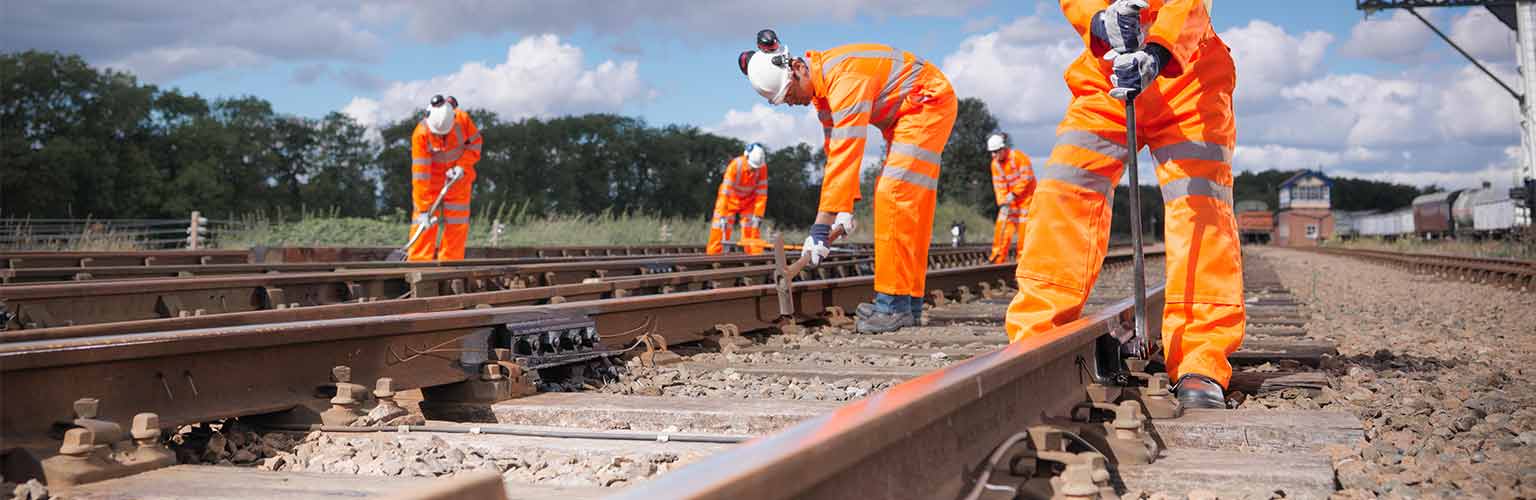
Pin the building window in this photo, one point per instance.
(1311, 231)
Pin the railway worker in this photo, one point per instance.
(744, 193)
(1013, 184)
(1169, 52)
(913, 105)
(446, 139)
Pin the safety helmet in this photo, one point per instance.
(996, 142)
(768, 67)
(440, 111)
(755, 154)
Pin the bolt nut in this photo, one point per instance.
(78, 442)
(341, 374)
(491, 371)
(146, 426)
(1158, 384)
(87, 407)
(384, 388)
(1127, 416)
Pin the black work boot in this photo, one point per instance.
(879, 322)
(1199, 391)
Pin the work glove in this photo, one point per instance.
(844, 220)
(1119, 26)
(455, 172)
(816, 244)
(1133, 72)
(1008, 200)
(423, 219)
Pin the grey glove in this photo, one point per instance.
(1119, 27)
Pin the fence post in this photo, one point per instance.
(195, 230)
(496, 229)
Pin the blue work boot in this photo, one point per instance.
(891, 313)
(917, 311)
(865, 310)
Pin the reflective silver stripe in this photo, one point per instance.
(749, 222)
(472, 138)
(1076, 176)
(899, 92)
(850, 132)
(456, 220)
(861, 107)
(456, 206)
(472, 147)
(421, 176)
(1199, 186)
(916, 151)
(448, 156)
(1092, 142)
(910, 177)
(1192, 150)
(421, 161)
(894, 55)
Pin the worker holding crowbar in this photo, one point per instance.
(1153, 72)
(912, 103)
(446, 140)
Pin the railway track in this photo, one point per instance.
(150, 258)
(1513, 273)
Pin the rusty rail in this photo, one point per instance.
(71, 304)
(1513, 273)
(928, 437)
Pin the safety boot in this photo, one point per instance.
(1199, 391)
(879, 322)
(864, 310)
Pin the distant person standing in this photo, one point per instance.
(1013, 184)
(445, 140)
(744, 194)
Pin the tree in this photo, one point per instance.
(967, 173)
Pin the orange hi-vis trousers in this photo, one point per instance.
(431, 157)
(914, 106)
(1187, 122)
(1010, 223)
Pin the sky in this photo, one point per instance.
(1319, 85)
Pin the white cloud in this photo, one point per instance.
(168, 63)
(1474, 108)
(541, 77)
(679, 18)
(1399, 38)
(1268, 59)
(1484, 36)
(1281, 157)
(774, 127)
(1385, 110)
(1017, 69)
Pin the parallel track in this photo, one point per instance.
(1514, 273)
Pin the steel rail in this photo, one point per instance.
(1514, 273)
(660, 278)
(205, 374)
(924, 438)
(81, 303)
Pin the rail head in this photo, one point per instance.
(917, 439)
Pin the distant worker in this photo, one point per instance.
(1167, 52)
(744, 193)
(1013, 184)
(446, 139)
(913, 105)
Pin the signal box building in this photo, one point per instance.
(1305, 216)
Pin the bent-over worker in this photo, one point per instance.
(446, 139)
(744, 194)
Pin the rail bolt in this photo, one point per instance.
(78, 442)
(384, 388)
(146, 428)
(87, 407)
(341, 374)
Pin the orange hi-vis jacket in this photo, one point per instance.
(431, 157)
(856, 86)
(743, 190)
(1185, 118)
(1013, 175)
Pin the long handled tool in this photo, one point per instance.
(782, 281)
(1138, 263)
(435, 217)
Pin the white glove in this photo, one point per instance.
(1008, 199)
(1119, 26)
(817, 250)
(455, 172)
(423, 219)
(845, 220)
(1133, 73)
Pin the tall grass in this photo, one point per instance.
(1519, 247)
(522, 227)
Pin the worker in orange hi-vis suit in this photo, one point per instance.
(743, 193)
(446, 139)
(913, 105)
(1166, 53)
(1013, 183)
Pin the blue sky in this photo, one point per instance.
(1318, 86)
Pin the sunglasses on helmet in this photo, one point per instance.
(439, 99)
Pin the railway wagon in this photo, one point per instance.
(1387, 225)
(1432, 214)
(1255, 222)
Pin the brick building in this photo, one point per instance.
(1305, 217)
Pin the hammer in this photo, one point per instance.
(786, 274)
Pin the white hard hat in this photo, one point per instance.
(768, 67)
(440, 111)
(996, 142)
(755, 154)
